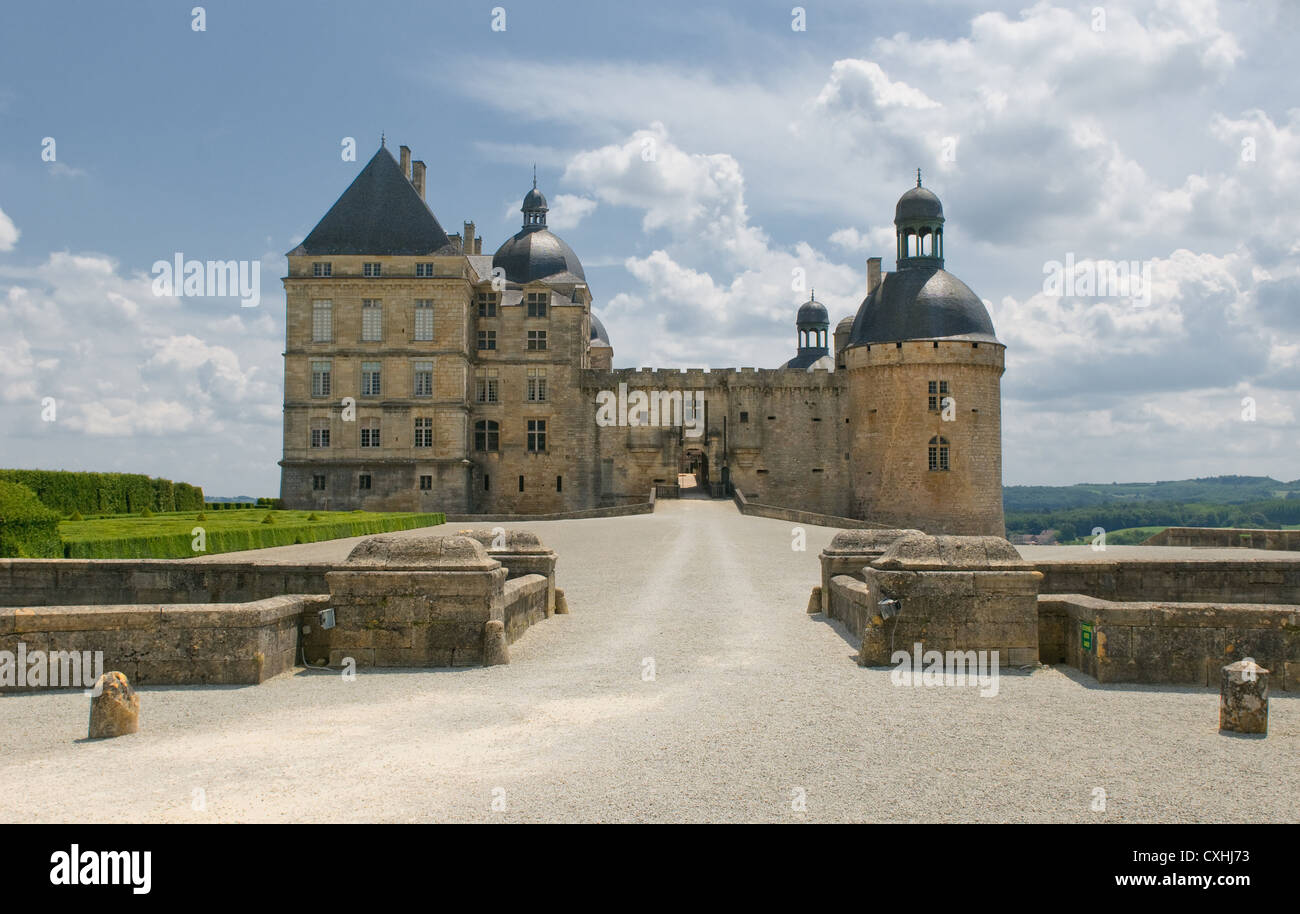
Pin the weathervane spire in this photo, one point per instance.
(382, 140)
(918, 177)
(534, 176)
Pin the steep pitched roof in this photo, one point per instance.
(379, 213)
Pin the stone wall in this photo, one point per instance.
(1227, 537)
(797, 516)
(1168, 642)
(171, 644)
(1257, 580)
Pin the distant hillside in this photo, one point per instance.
(1212, 490)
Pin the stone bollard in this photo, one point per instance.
(1243, 698)
(561, 604)
(115, 708)
(495, 651)
(815, 601)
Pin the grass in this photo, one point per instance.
(171, 536)
(1127, 536)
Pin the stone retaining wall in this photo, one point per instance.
(1226, 537)
(171, 644)
(1168, 642)
(801, 517)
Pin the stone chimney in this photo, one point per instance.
(406, 162)
(873, 274)
(417, 177)
(471, 247)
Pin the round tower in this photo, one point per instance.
(925, 390)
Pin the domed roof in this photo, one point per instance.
(921, 304)
(812, 312)
(534, 201)
(535, 253)
(598, 335)
(918, 203)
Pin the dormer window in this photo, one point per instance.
(537, 303)
(370, 269)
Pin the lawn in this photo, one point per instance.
(178, 535)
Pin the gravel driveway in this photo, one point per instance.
(688, 684)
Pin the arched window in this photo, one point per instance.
(487, 435)
(939, 453)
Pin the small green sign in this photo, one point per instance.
(1085, 630)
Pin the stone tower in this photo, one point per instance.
(925, 369)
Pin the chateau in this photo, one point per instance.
(422, 374)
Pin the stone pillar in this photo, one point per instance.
(1243, 698)
(848, 552)
(404, 601)
(952, 593)
(521, 553)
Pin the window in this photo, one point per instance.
(320, 433)
(363, 481)
(424, 269)
(370, 386)
(370, 433)
(487, 339)
(537, 304)
(559, 483)
(370, 269)
(423, 375)
(422, 327)
(322, 321)
(536, 435)
(320, 379)
(937, 391)
(487, 304)
(939, 453)
(424, 433)
(372, 320)
(536, 339)
(318, 482)
(426, 483)
(322, 269)
(487, 435)
(485, 384)
(537, 385)
(521, 483)
(487, 482)
(744, 416)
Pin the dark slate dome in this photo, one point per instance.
(812, 312)
(535, 253)
(918, 203)
(921, 304)
(598, 335)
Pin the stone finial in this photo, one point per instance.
(1243, 698)
(495, 650)
(115, 708)
(429, 552)
(561, 603)
(815, 600)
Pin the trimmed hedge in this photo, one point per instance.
(178, 545)
(28, 529)
(106, 493)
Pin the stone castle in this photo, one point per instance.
(422, 374)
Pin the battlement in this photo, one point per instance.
(711, 378)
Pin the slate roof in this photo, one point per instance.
(379, 213)
(921, 304)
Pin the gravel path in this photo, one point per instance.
(753, 704)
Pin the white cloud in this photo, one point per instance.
(567, 210)
(8, 232)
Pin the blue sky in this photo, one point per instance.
(778, 149)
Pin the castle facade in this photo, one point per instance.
(424, 375)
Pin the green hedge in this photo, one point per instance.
(106, 493)
(178, 545)
(28, 529)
